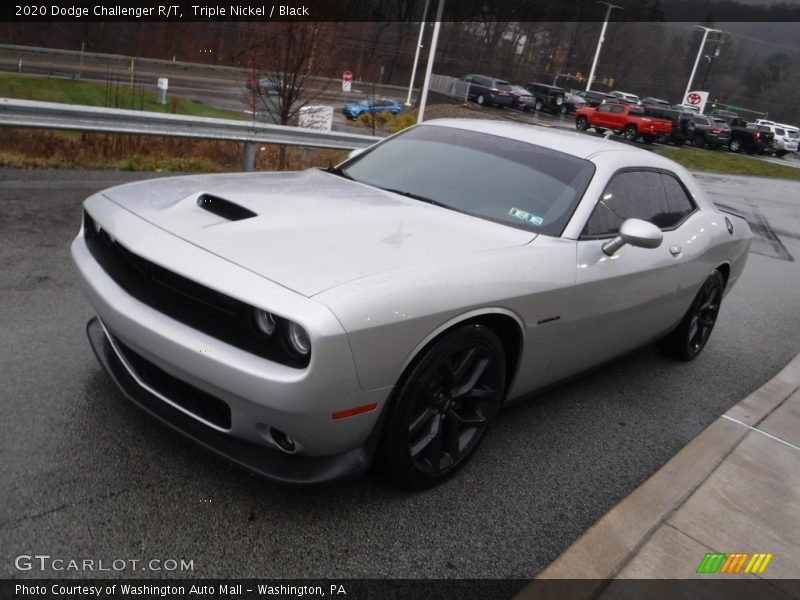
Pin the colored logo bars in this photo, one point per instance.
(720, 562)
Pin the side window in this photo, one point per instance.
(678, 201)
(617, 109)
(604, 108)
(632, 195)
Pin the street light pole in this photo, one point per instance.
(416, 54)
(699, 54)
(423, 99)
(600, 43)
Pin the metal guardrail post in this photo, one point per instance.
(249, 157)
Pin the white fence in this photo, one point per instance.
(449, 86)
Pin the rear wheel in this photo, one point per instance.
(690, 337)
(750, 150)
(564, 109)
(736, 146)
(780, 153)
(648, 139)
(630, 133)
(539, 105)
(699, 140)
(581, 124)
(443, 407)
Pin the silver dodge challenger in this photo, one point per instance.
(306, 325)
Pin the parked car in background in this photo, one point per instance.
(626, 97)
(750, 137)
(794, 134)
(784, 141)
(372, 106)
(572, 102)
(522, 98)
(594, 98)
(267, 85)
(658, 102)
(628, 120)
(704, 130)
(547, 97)
(488, 90)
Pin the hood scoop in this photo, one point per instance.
(224, 208)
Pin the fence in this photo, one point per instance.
(50, 115)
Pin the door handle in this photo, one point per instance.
(675, 250)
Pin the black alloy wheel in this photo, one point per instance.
(690, 337)
(444, 406)
(630, 133)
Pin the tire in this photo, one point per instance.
(581, 124)
(780, 153)
(735, 146)
(564, 109)
(690, 337)
(699, 140)
(539, 106)
(751, 150)
(481, 99)
(714, 146)
(648, 139)
(600, 130)
(431, 431)
(630, 133)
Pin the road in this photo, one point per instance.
(87, 475)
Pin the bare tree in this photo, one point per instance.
(285, 60)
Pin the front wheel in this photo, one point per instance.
(690, 337)
(481, 99)
(630, 133)
(581, 124)
(443, 407)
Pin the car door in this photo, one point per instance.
(628, 299)
(602, 117)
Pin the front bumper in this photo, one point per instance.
(270, 464)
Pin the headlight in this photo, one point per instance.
(297, 339)
(265, 322)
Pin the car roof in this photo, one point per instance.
(569, 142)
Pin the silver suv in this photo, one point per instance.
(786, 136)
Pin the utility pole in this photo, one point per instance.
(699, 54)
(416, 53)
(600, 43)
(423, 99)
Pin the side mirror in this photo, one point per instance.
(635, 232)
(354, 153)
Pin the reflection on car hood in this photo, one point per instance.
(312, 230)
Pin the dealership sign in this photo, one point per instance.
(696, 100)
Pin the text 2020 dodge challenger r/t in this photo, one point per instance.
(303, 324)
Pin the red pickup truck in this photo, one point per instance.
(628, 120)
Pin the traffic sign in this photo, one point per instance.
(347, 79)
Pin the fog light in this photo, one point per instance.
(265, 322)
(298, 339)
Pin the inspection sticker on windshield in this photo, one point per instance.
(525, 216)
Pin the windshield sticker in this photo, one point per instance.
(526, 216)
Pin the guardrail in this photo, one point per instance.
(51, 115)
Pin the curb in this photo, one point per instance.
(613, 541)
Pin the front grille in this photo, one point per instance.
(212, 312)
(196, 401)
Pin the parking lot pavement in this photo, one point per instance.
(733, 490)
(86, 475)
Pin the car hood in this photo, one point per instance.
(312, 230)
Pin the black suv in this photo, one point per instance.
(546, 97)
(594, 98)
(488, 90)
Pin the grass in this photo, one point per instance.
(46, 149)
(115, 94)
(722, 161)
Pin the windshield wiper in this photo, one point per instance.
(338, 171)
(417, 197)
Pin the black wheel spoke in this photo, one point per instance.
(433, 433)
(424, 418)
(477, 372)
(458, 371)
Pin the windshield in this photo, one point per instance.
(492, 177)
